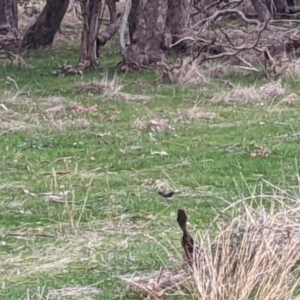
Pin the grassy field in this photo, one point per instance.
(79, 202)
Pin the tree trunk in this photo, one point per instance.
(8, 19)
(261, 10)
(178, 17)
(114, 24)
(91, 10)
(132, 19)
(276, 6)
(148, 34)
(41, 34)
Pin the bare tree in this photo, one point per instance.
(42, 32)
(8, 19)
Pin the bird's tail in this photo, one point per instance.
(187, 241)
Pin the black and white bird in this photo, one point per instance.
(167, 196)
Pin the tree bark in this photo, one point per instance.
(148, 34)
(41, 34)
(262, 11)
(8, 19)
(276, 6)
(114, 24)
(91, 10)
(280, 6)
(178, 17)
(132, 19)
(290, 2)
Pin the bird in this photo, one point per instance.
(167, 196)
(187, 241)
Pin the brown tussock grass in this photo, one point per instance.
(194, 113)
(254, 255)
(186, 73)
(18, 112)
(111, 89)
(254, 95)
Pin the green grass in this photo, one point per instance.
(112, 222)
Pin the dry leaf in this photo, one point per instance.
(103, 134)
(130, 149)
(79, 109)
(261, 151)
(58, 198)
(161, 153)
(148, 181)
(149, 217)
(159, 126)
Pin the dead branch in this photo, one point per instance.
(191, 38)
(207, 21)
(263, 43)
(213, 4)
(243, 47)
(200, 10)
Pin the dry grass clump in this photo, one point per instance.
(159, 284)
(67, 124)
(254, 95)
(20, 97)
(57, 253)
(187, 115)
(256, 255)
(74, 293)
(111, 89)
(11, 124)
(18, 112)
(292, 70)
(155, 125)
(186, 73)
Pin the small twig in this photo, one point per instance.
(30, 235)
(8, 78)
(227, 37)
